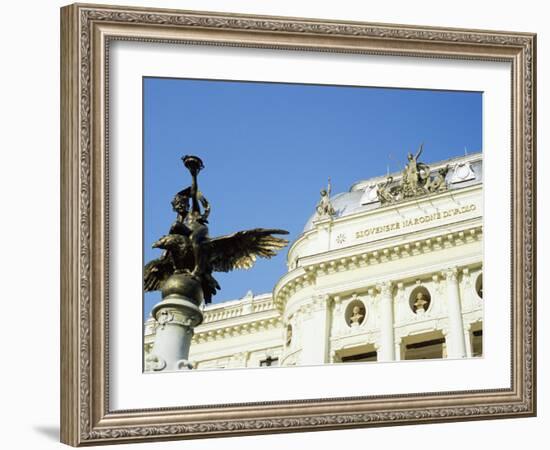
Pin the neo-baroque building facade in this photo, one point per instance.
(390, 270)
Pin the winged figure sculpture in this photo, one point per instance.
(188, 248)
(222, 254)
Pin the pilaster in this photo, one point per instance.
(456, 347)
(387, 344)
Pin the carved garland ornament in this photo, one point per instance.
(307, 422)
(191, 20)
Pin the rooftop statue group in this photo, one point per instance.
(415, 181)
(191, 252)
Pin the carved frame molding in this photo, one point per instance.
(86, 31)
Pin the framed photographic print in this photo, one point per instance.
(276, 224)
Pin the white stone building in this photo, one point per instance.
(367, 280)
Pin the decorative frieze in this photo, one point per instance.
(451, 274)
(378, 256)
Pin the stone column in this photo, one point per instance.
(316, 332)
(177, 315)
(387, 343)
(397, 350)
(456, 347)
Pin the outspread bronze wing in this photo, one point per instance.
(156, 272)
(240, 250)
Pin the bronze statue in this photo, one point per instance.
(415, 181)
(437, 182)
(414, 175)
(385, 193)
(192, 223)
(324, 208)
(190, 250)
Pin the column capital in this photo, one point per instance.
(385, 288)
(451, 274)
(321, 301)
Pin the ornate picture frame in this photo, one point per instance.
(87, 32)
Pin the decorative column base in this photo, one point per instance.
(177, 316)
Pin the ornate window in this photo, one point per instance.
(477, 343)
(429, 345)
(361, 353)
(361, 357)
(420, 300)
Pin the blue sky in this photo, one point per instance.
(268, 149)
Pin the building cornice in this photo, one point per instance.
(386, 243)
(237, 326)
(363, 255)
(416, 201)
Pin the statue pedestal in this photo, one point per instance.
(177, 316)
